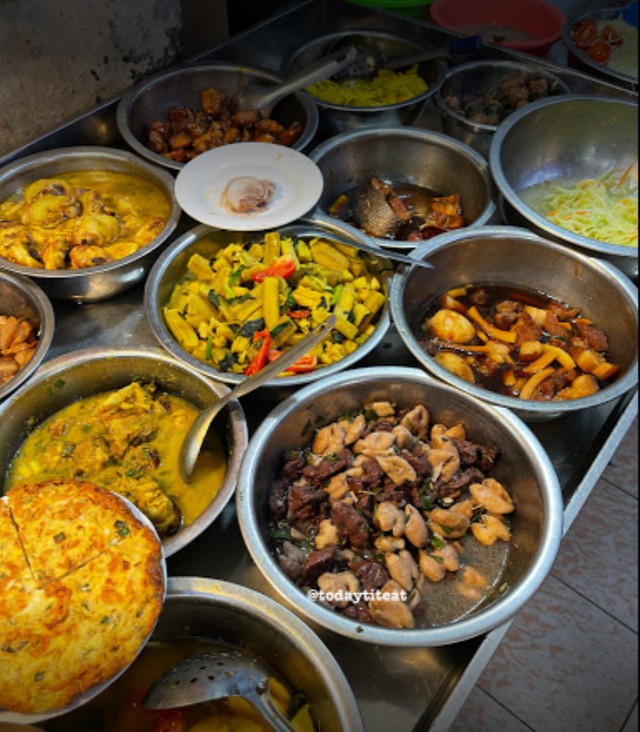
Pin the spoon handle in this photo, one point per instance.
(198, 430)
(324, 68)
(265, 706)
(460, 45)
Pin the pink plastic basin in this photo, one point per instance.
(532, 26)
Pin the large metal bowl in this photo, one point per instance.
(403, 155)
(523, 466)
(582, 61)
(473, 81)
(197, 608)
(519, 258)
(336, 118)
(84, 373)
(22, 298)
(89, 284)
(206, 241)
(570, 136)
(153, 98)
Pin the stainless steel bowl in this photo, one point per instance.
(206, 241)
(571, 136)
(225, 612)
(22, 298)
(153, 98)
(104, 280)
(582, 61)
(474, 80)
(399, 155)
(517, 257)
(84, 373)
(335, 118)
(523, 466)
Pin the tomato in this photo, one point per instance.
(260, 359)
(170, 720)
(299, 313)
(600, 51)
(585, 33)
(303, 365)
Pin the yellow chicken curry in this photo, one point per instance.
(81, 219)
(127, 441)
(244, 306)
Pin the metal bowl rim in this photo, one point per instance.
(481, 622)
(47, 328)
(514, 199)
(33, 162)
(161, 332)
(122, 110)
(551, 409)
(281, 620)
(57, 368)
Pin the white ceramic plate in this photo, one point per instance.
(200, 185)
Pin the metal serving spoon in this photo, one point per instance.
(370, 59)
(217, 675)
(194, 438)
(266, 99)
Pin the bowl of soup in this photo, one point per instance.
(119, 416)
(391, 508)
(200, 615)
(84, 222)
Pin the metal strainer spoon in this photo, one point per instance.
(217, 675)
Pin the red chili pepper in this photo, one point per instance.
(300, 313)
(600, 51)
(260, 359)
(303, 365)
(284, 267)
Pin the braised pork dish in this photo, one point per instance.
(391, 519)
(187, 132)
(517, 342)
(81, 219)
(127, 441)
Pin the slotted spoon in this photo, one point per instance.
(217, 675)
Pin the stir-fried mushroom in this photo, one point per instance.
(384, 500)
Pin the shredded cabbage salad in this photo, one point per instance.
(604, 208)
(624, 58)
(386, 87)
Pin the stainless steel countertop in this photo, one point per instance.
(401, 689)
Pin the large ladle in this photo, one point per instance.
(194, 438)
(265, 99)
(217, 675)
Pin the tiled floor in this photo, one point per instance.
(570, 659)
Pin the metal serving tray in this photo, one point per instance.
(401, 689)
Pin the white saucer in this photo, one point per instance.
(200, 184)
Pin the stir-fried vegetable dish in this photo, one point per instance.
(604, 208)
(127, 441)
(242, 307)
(386, 87)
(81, 219)
(518, 343)
(390, 517)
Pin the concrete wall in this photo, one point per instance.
(60, 58)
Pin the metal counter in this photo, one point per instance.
(401, 689)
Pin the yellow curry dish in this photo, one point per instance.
(242, 307)
(81, 219)
(127, 441)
